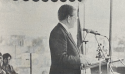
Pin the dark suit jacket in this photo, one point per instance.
(64, 52)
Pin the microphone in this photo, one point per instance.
(91, 31)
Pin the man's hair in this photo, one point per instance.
(65, 11)
(6, 55)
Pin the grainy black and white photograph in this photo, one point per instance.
(62, 37)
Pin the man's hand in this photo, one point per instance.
(84, 61)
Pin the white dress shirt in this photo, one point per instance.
(65, 27)
(68, 31)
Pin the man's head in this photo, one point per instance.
(67, 14)
(6, 58)
(1, 58)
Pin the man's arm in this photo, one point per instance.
(58, 44)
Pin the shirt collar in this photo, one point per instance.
(65, 27)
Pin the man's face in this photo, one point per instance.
(73, 19)
(1, 59)
(7, 60)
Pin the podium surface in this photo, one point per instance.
(95, 68)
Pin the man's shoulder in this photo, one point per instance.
(58, 32)
(58, 29)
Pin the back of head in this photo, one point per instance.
(6, 55)
(65, 11)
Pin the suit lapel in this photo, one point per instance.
(70, 37)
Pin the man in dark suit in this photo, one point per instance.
(65, 55)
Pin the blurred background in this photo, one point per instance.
(25, 27)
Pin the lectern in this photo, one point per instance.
(104, 68)
(95, 70)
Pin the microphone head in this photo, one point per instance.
(84, 29)
(97, 34)
(91, 31)
(87, 30)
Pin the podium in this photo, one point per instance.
(104, 68)
(119, 70)
(95, 70)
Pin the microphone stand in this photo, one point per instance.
(100, 66)
(122, 62)
(85, 49)
(111, 69)
(85, 45)
(111, 63)
(99, 58)
(100, 55)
